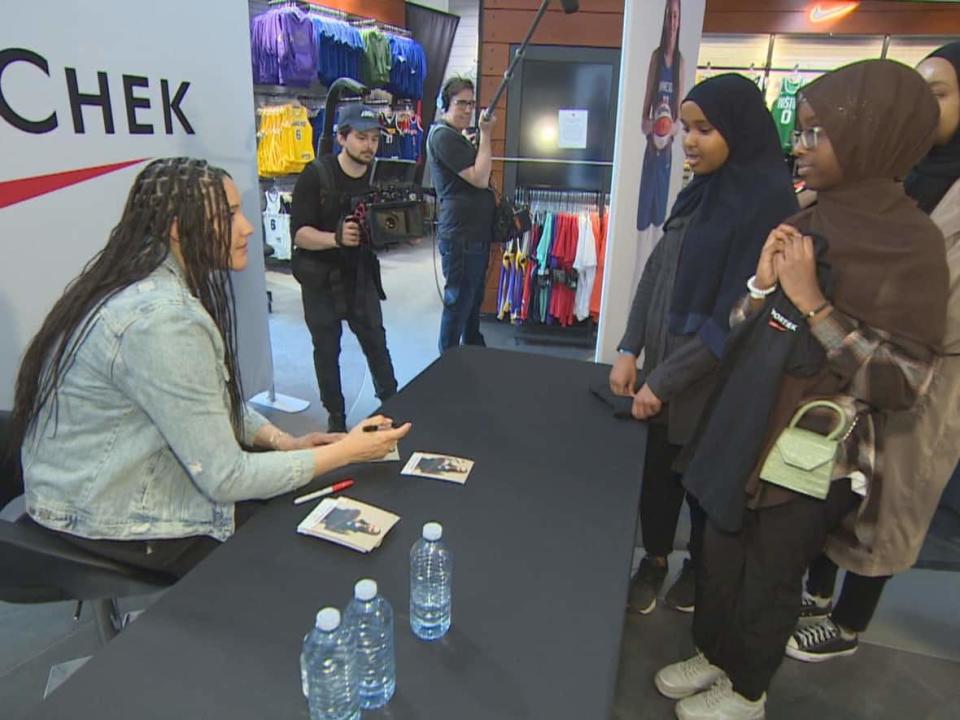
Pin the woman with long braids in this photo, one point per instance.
(135, 439)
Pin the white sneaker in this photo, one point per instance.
(687, 678)
(720, 703)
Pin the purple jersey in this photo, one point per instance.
(296, 48)
(264, 30)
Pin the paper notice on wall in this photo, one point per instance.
(573, 129)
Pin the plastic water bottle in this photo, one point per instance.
(370, 618)
(328, 669)
(431, 573)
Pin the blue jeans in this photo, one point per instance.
(465, 271)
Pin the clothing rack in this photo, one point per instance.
(543, 200)
(387, 27)
(739, 68)
(358, 21)
(330, 12)
(551, 200)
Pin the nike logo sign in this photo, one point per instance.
(819, 14)
(17, 191)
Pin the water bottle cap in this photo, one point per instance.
(432, 531)
(328, 619)
(365, 590)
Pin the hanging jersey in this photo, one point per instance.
(785, 111)
(298, 139)
(276, 227)
(389, 137)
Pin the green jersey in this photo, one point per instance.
(785, 111)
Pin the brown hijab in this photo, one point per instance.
(888, 262)
(888, 258)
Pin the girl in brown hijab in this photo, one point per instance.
(921, 446)
(877, 325)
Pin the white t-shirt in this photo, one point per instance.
(585, 263)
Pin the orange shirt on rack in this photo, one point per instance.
(600, 233)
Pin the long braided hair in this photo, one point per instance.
(186, 191)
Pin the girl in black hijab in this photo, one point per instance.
(710, 246)
(939, 170)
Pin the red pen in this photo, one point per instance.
(329, 490)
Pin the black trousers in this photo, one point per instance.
(174, 557)
(325, 316)
(859, 595)
(749, 584)
(661, 498)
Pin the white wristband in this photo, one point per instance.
(756, 293)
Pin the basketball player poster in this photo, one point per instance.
(660, 120)
(660, 45)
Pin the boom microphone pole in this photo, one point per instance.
(569, 6)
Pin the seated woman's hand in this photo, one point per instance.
(310, 440)
(362, 445)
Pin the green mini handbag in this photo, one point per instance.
(802, 460)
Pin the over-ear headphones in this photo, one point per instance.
(445, 95)
(451, 87)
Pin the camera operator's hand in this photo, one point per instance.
(486, 123)
(350, 233)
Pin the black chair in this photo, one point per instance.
(39, 566)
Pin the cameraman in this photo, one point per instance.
(461, 176)
(340, 279)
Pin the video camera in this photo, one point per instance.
(392, 211)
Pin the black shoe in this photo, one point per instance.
(645, 587)
(823, 641)
(337, 423)
(681, 595)
(813, 609)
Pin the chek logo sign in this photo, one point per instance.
(139, 99)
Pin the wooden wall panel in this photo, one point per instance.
(599, 23)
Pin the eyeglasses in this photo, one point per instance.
(807, 139)
(465, 103)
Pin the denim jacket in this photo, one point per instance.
(140, 444)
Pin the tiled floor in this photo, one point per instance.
(908, 665)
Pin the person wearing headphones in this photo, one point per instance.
(461, 176)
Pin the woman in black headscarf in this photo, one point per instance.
(857, 289)
(710, 246)
(921, 447)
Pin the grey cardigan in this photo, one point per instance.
(678, 368)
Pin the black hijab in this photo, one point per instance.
(734, 209)
(936, 173)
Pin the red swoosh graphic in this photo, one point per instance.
(16, 191)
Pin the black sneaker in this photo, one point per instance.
(823, 641)
(337, 423)
(813, 609)
(681, 595)
(645, 586)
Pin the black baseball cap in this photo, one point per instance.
(357, 117)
